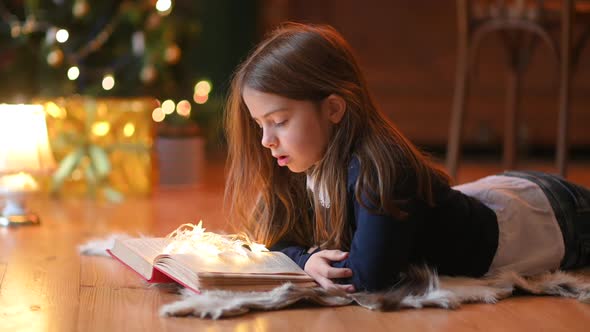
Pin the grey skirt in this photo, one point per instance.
(571, 205)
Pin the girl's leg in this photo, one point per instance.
(571, 204)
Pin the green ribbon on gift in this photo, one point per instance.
(93, 158)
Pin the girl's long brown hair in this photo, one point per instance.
(311, 62)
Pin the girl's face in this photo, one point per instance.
(296, 132)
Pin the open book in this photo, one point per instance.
(199, 271)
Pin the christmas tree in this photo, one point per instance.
(180, 52)
(169, 49)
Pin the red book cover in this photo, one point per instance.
(157, 275)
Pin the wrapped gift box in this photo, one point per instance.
(103, 146)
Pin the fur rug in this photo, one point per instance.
(98, 247)
(421, 287)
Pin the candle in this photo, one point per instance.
(18, 183)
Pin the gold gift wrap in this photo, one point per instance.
(103, 146)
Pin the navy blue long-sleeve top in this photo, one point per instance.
(457, 236)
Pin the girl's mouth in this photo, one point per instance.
(282, 160)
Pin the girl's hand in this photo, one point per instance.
(319, 268)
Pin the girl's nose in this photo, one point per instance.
(269, 140)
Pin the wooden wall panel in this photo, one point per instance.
(407, 51)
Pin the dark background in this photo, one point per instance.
(407, 51)
(405, 48)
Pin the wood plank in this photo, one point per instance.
(105, 272)
(46, 286)
(41, 282)
(40, 294)
(516, 314)
(124, 309)
(2, 271)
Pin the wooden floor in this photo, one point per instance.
(46, 286)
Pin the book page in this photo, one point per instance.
(148, 248)
(254, 263)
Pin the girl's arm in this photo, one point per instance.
(319, 266)
(381, 245)
(379, 251)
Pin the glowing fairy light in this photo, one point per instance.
(257, 247)
(128, 129)
(108, 82)
(200, 99)
(191, 238)
(183, 108)
(158, 115)
(62, 35)
(73, 73)
(202, 88)
(101, 128)
(168, 106)
(55, 57)
(163, 5)
(55, 111)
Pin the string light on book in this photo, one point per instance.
(190, 238)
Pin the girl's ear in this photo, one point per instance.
(336, 106)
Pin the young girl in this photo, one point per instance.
(316, 171)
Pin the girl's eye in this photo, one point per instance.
(280, 123)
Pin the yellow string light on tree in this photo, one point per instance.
(172, 54)
(153, 21)
(15, 30)
(202, 90)
(183, 108)
(108, 82)
(158, 115)
(200, 99)
(55, 57)
(62, 35)
(148, 74)
(81, 8)
(168, 106)
(164, 7)
(73, 73)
